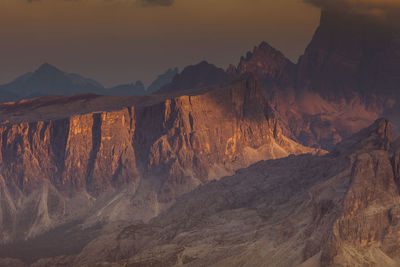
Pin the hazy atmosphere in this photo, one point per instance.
(192, 133)
(122, 41)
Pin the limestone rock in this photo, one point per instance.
(340, 209)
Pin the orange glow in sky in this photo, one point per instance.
(120, 41)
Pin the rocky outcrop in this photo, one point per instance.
(347, 78)
(126, 163)
(340, 209)
(353, 54)
(366, 231)
(269, 64)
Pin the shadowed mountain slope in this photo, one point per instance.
(341, 209)
(162, 80)
(196, 76)
(125, 158)
(347, 78)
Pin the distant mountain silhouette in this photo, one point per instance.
(195, 76)
(162, 80)
(48, 80)
(126, 89)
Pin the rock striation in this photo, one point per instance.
(347, 78)
(126, 163)
(339, 209)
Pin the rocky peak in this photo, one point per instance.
(231, 69)
(362, 50)
(266, 62)
(195, 76)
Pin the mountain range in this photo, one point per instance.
(49, 80)
(269, 163)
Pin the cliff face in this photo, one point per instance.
(306, 116)
(128, 163)
(340, 209)
(366, 232)
(352, 54)
(347, 78)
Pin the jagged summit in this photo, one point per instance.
(267, 63)
(195, 76)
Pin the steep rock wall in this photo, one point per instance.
(132, 162)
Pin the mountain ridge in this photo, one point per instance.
(307, 210)
(120, 165)
(48, 80)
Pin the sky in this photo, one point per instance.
(121, 41)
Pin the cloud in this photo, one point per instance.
(373, 7)
(165, 3)
(144, 3)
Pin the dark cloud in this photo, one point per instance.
(156, 2)
(145, 3)
(373, 7)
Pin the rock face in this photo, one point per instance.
(352, 54)
(126, 163)
(347, 78)
(340, 209)
(305, 115)
(270, 65)
(136, 181)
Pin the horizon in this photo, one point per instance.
(120, 42)
(258, 152)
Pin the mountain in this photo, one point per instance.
(339, 209)
(126, 89)
(91, 161)
(162, 80)
(269, 64)
(48, 80)
(352, 53)
(347, 78)
(353, 64)
(211, 170)
(196, 76)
